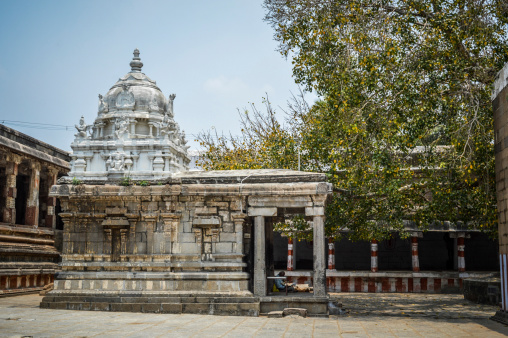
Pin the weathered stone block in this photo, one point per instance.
(225, 216)
(206, 221)
(275, 314)
(295, 311)
(189, 248)
(268, 212)
(205, 210)
(227, 227)
(227, 237)
(187, 237)
(171, 308)
(153, 308)
(187, 226)
(199, 308)
(223, 247)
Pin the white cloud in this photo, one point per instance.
(225, 86)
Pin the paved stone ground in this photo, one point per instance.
(370, 315)
(438, 306)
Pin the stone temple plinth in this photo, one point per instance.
(166, 239)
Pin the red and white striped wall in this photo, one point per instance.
(393, 284)
(380, 282)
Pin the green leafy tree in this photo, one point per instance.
(405, 127)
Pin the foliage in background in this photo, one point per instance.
(297, 227)
(404, 129)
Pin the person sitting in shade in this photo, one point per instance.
(281, 284)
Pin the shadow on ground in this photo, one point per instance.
(438, 306)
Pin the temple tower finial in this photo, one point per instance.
(136, 63)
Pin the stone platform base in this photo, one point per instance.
(315, 306)
(21, 291)
(501, 317)
(230, 304)
(483, 290)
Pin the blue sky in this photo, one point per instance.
(57, 56)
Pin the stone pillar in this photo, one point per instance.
(373, 256)
(51, 201)
(32, 203)
(238, 220)
(415, 259)
(290, 254)
(318, 232)
(331, 254)
(10, 192)
(319, 256)
(133, 126)
(259, 215)
(461, 262)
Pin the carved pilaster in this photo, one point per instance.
(123, 240)
(10, 192)
(108, 235)
(51, 201)
(32, 203)
(131, 237)
(67, 219)
(238, 220)
(150, 219)
(170, 221)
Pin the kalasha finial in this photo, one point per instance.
(136, 63)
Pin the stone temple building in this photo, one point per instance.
(145, 230)
(143, 233)
(28, 215)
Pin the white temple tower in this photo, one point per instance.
(134, 134)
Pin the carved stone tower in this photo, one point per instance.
(134, 134)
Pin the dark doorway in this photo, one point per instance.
(22, 187)
(58, 210)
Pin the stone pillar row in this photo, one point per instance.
(415, 261)
(10, 193)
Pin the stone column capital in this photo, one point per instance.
(35, 165)
(14, 158)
